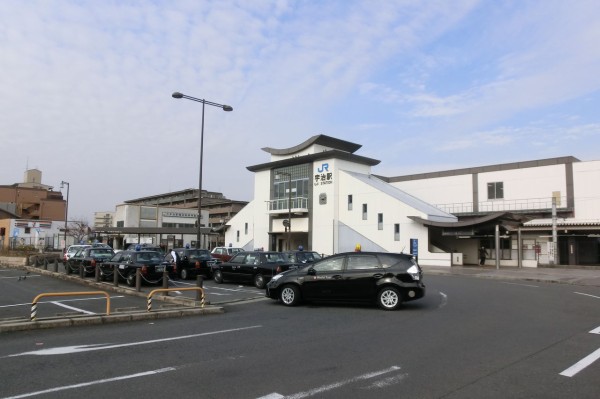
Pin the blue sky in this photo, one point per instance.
(422, 85)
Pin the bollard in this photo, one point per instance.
(45, 263)
(165, 281)
(97, 272)
(55, 265)
(81, 270)
(115, 275)
(138, 279)
(199, 284)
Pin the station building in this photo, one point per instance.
(322, 196)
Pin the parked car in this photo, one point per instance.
(88, 258)
(256, 267)
(191, 262)
(145, 247)
(127, 262)
(387, 279)
(302, 257)
(223, 254)
(72, 250)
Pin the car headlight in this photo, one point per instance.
(277, 277)
(413, 271)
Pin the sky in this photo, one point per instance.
(423, 86)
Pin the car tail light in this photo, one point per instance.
(93, 263)
(145, 269)
(197, 264)
(278, 270)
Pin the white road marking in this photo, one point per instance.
(64, 350)
(523, 285)
(583, 363)
(581, 293)
(87, 384)
(329, 387)
(63, 301)
(444, 300)
(71, 308)
(21, 276)
(595, 330)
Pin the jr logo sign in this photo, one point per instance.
(324, 168)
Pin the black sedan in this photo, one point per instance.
(88, 258)
(387, 279)
(126, 263)
(190, 262)
(256, 267)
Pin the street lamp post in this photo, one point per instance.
(289, 226)
(225, 108)
(62, 185)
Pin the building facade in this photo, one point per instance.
(322, 196)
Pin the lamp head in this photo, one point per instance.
(177, 95)
(227, 108)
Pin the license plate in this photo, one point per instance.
(160, 268)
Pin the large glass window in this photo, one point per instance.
(329, 265)
(292, 182)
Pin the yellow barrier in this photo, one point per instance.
(37, 298)
(174, 289)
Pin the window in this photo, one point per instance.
(364, 212)
(495, 190)
(361, 262)
(397, 232)
(350, 202)
(380, 221)
(237, 236)
(329, 265)
(246, 228)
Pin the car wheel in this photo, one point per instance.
(184, 274)
(289, 295)
(131, 279)
(259, 281)
(218, 277)
(389, 298)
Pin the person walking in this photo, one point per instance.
(482, 256)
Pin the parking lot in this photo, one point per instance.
(21, 286)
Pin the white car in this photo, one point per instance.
(72, 249)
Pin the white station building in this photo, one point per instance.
(322, 196)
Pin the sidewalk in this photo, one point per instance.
(574, 276)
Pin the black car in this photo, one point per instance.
(302, 257)
(125, 263)
(191, 262)
(256, 267)
(88, 258)
(387, 279)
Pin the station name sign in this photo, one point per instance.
(323, 176)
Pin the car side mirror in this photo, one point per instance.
(312, 272)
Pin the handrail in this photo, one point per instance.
(149, 306)
(37, 298)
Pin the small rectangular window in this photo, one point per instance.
(350, 202)
(364, 216)
(396, 231)
(380, 221)
(246, 229)
(237, 236)
(495, 190)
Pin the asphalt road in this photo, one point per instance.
(468, 338)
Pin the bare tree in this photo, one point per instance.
(79, 229)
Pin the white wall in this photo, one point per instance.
(586, 181)
(456, 189)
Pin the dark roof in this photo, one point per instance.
(321, 139)
(314, 157)
(507, 218)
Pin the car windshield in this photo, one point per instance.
(149, 256)
(274, 257)
(198, 254)
(101, 252)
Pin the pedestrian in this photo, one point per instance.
(482, 256)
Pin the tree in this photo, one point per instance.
(79, 229)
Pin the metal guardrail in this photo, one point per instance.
(198, 289)
(37, 298)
